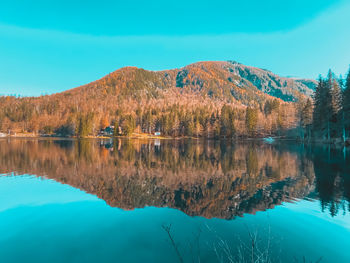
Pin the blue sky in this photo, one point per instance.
(51, 46)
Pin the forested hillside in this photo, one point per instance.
(205, 99)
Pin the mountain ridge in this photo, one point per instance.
(231, 75)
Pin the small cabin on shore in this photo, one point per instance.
(109, 130)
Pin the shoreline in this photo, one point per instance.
(333, 142)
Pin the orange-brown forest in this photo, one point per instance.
(206, 99)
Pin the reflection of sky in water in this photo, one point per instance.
(29, 190)
(44, 221)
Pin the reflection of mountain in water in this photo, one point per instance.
(200, 178)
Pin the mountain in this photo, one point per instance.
(176, 102)
(229, 81)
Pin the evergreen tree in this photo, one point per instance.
(149, 121)
(139, 116)
(176, 124)
(232, 127)
(335, 105)
(197, 128)
(318, 100)
(85, 125)
(306, 118)
(251, 120)
(129, 125)
(327, 107)
(165, 124)
(189, 127)
(1, 120)
(81, 129)
(270, 106)
(205, 124)
(212, 118)
(346, 108)
(225, 121)
(217, 129)
(321, 108)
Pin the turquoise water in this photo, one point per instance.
(46, 220)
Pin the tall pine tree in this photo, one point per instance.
(346, 108)
(327, 107)
(251, 120)
(320, 108)
(306, 118)
(335, 105)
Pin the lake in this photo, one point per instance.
(173, 201)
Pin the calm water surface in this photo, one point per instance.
(172, 201)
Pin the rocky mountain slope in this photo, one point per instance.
(284, 88)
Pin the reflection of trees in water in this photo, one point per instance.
(332, 171)
(252, 161)
(207, 178)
